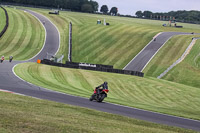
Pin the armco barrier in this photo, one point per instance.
(7, 22)
(93, 67)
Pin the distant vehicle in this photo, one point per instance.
(55, 12)
(2, 59)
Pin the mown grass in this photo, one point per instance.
(2, 19)
(114, 45)
(146, 93)
(24, 37)
(63, 26)
(188, 71)
(25, 114)
(168, 54)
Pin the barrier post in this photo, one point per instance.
(38, 61)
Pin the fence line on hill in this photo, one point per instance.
(70, 43)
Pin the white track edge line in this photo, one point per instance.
(40, 86)
(46, 33)
(159, 50)
(156, 53)
(142, 50)
(153, 112)
(104, 102)
(44, 39)
(56, 29)
(87, 98)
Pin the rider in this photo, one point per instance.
(98, 89)
(102, 87)
(2, 58)
(10, 58)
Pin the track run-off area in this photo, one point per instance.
(11, 83)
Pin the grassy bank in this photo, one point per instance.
(25, 114)
(100, 44)
(2, 19)
(168, 54)
(146, 93)
(24, 37)
(114, 45)
(188, 71)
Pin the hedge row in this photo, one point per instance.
(7, 22)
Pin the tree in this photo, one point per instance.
(74, 5)
(95, 5)
(147, 14)
(104, 9)
(139, 14)
(66, 4)
(87, 8)
(114, 11)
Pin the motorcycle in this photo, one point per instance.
(99, 95)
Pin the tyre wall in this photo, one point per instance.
(7, 22)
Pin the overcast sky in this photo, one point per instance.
(129, 7)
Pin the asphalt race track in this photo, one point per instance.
(144, 57)
(8, 81)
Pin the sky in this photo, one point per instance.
(129, 7)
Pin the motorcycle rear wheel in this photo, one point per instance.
(101, 98)
(92, 97)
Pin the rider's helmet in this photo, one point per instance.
(105, 83)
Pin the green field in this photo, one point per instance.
(94, 43)
(146, 93)
(188, 71)
(168, 54)
(114, 45)
(24, 37)
(2, 19)
(24, 114)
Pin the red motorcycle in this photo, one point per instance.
(99, 94)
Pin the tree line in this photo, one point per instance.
(92, 7)
(113, 11)
(181, 16)
(74, 5)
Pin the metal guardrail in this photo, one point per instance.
(92, 67)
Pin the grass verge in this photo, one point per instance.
(24, 37)
(188, 71)
(25, 114)
(169, 53)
